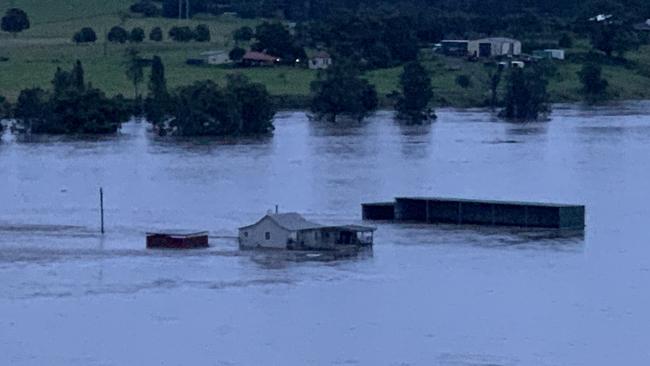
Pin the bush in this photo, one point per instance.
(146, 8)
(118, 34)
(243, 34)
(236, 54)
(565, 41)
(15, 21)
(181, 34)
(136, 35)
(202, 33)
(85, 35)
(156, 35)
(463, 81)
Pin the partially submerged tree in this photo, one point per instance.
(526, 97)
(72, 107)
(594, 86)
(341, 91)
(494, 74)
(204, 108)
(416, 94)
(15, 21)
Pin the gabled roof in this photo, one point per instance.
(259, 56)
(289, 221)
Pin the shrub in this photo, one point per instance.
(15, 21)
(85, 35)
(243, 34)
(136, 35)
(202, 33)
(118, 34)
(463, 81)
(565, 41)
(181, 34)
(156, 35)
(236, 54)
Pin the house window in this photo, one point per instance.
(267, 235)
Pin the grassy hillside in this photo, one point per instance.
(35, 54)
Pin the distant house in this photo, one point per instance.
(253, 58)
(556, 54)
(215, 57)
(321, 60)
(294, 232)
(455, 47)
(494, 47)
(644, 27)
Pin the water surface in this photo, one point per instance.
(426, 295)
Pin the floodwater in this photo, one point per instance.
(426, 295)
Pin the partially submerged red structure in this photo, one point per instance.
(177, 240)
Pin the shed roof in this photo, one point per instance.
(182, 234)
(498, 39)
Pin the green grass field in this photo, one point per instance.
(35, 54)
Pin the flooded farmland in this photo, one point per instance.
(425, 295)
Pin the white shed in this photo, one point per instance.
(215, 57)
(495, 46)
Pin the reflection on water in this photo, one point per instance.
(424, 295)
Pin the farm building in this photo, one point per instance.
(292, 231)
(556, 54)
(215, 57)
(434, 210)
(252, 58)
(320, 60)
(177, 240)
(644, 27)
(456, 47)
(494, 47)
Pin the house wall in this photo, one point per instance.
(256, 237)
(217, 59)
(317, 239)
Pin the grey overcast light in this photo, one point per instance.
(256, 182)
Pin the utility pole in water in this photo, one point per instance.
(101, 208)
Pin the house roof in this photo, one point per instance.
(259, 56)
(215, 52)
(290, 221)
(498, 39)
(321, 54)
(293, 221)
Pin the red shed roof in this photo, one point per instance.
(259, 56)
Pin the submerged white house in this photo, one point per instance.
(294, 232)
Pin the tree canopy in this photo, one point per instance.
(72, 107)
(205, 109)
(594, 86)
(416, 94)
(85, 35)
(526, 97)
(15, 21)
(341, 91)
